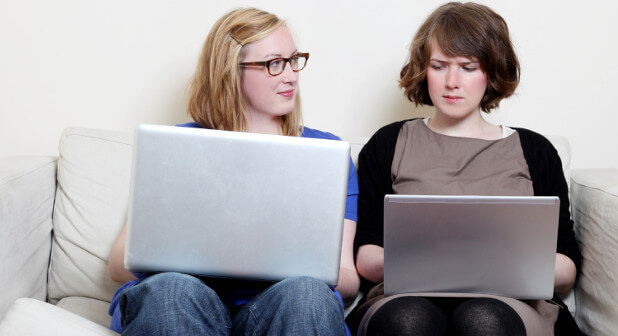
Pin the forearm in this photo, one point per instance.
(348, 285)
(115, 262)
(565, 274)
(349, 282)
(370, 263)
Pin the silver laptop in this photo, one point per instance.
(233, 204)
(503, 245)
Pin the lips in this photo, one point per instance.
(452, 99)
(287, 93)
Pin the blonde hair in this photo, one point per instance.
(215, 97)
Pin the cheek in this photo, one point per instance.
(479, 84)
(252, 87)
(433, 83)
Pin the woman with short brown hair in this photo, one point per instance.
(461, 62)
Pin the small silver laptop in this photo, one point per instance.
(502, 245)
(236, 205)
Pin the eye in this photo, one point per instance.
(294, 60)
(436, 66)
(276, 62)
(469, 68)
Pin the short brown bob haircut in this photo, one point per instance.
(469, 30)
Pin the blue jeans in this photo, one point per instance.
(179, 304)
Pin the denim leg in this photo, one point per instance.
(173, 304)
(295, 306)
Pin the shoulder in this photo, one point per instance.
(392, 129)
(381, 146)
(190, 124)
(540, 154)
(535, 146)
(314, 133)
(532, 138)
(388, 133)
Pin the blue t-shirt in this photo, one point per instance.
(244, 295)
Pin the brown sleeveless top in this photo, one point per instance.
(430, 163)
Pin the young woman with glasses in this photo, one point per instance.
(246, 81)
(461, 62)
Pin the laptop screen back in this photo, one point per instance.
(232, 204)
(470, 244)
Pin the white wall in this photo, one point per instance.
(112, 64)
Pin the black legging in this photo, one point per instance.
(445, 316)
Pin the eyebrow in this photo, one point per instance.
(460, 63)
(280, 55)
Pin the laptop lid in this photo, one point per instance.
(234, 204)
(503, 245)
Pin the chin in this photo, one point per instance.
(284, 111)
(453, 112)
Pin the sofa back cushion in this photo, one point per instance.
(27, 189)
(94, 169)
(594, 199)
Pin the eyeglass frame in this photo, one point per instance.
(266, 64)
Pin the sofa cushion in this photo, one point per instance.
(92, 309)
(594, 200)
(27, 188)
(91, 202)
(33, 317)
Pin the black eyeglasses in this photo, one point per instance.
(276, 66)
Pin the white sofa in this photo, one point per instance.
(60, 216)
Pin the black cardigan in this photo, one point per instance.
(374, 173)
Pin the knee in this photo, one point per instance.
(487, 315)
(175, 284)
(294, 306)
(307, 292)
(407, 316)
(169, 289)
(306, 285)
(172, 302)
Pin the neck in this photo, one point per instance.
(264, 125)
(473, 126)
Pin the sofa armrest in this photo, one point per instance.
(27, 190)
(594, 202)
(33, 317)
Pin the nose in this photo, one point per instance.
(452, 79)
(288, 75)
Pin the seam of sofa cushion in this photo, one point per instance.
(582, 182)
(609, 192)
(54, 160)
(82, 132)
